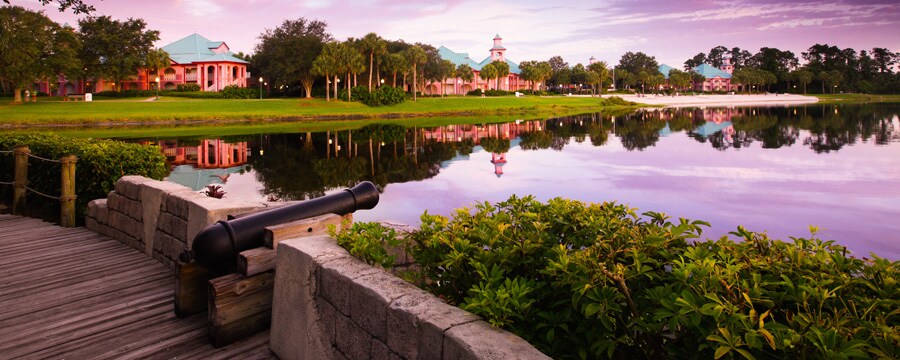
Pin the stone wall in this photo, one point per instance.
(330, 305)
(158, 218)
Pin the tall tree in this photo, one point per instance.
(394, 63)
(602, 70)
(636, 62)
(694, 61)
(803, 77)
(326, 64)
(374, 46)
(679, 79)
(157, 60)
(717, 56)
(350, 62)
(33, 47)
(502, 70)
(559, 71)
(465, 72)
(113, 49)
(488, 72)
(885, 59)
(286, 53)
(415, 56)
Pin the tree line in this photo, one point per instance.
(35, 48)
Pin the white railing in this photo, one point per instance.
(190, 77)
(169, 77)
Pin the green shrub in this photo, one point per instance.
(616, 101)
(476, 92)
(195, 94)
(127, 93)
(600, 281)
(368, 241)
(187, 87)
(100, 164)
(237, 92)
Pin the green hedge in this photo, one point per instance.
(100, 164)
(600, 281)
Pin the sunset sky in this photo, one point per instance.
(672, 31)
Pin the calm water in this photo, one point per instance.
(777, 170)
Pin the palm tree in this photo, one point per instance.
(374, 45)
(352, 63)
(326, 64)
(488, 72)
(464, 72)
(394, 63)
(157, 60)
(602, 70)
(502, 70)
(415, 56)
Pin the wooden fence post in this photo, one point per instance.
(21, 179)
(67, 194)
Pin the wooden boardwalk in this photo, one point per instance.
(70, 293)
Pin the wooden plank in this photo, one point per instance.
(223, 335)
(307, 227)
(256, 261)
(191, 289)
(239, 306)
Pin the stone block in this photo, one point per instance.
(352, 340)
(403, 319)
(173, 225)
(102, 212)
(480, 340)
(203, 211)
(153, 196)
(129, 186)
(166, 245)
(127, 225)
(298, 325)
(113, 201)
(337, 277)
(176, 203)
(380, 351)
(124, 238)
(369, 299)
(171, 264)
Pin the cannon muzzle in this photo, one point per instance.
(217, 246)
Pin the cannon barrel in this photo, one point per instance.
(217, 246)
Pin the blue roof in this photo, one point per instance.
(708, 71)
(463, 58)
(196, 48)
(664, 69)
(710, 128)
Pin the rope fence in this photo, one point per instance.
(67, 183)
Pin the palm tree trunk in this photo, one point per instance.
(335, 87)
(371, 62)
(394, 82)
(327, 89)
(414, 81)
(349, 97)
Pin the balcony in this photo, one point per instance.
(190, 77)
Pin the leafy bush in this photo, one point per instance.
(187, 87)
(100, 164)
(194, 94)
(385, 96)
(127, 93)
(616, 101)
(368, 241)
(598, 280)
(476, 92)
(237, 92)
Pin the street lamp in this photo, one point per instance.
(157, 88)
(382, 82)
(260, 87)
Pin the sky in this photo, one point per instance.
(671, 31)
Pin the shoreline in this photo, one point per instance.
(720, 100)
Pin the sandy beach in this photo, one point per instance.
(720, 100)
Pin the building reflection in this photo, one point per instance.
(209, 162)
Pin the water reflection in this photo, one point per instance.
(772, 169)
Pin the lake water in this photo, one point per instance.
(777, 170)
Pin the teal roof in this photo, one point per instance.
(463, 58)
(710, 128)
(664, 69)
(195, 48)
(708, 71)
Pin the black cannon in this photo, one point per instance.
(217, 246)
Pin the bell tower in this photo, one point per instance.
(726, 65)
(498, 51)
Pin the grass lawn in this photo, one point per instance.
(168, 111)
(855, 98)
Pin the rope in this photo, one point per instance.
(6, 183)
(45, 159)
(42, 194)
(6, 152)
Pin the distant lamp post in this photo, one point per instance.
(382, 82)
(157, 88)
(260, 87)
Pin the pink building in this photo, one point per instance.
(715, 79)
(192, 60)
(454, 86)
